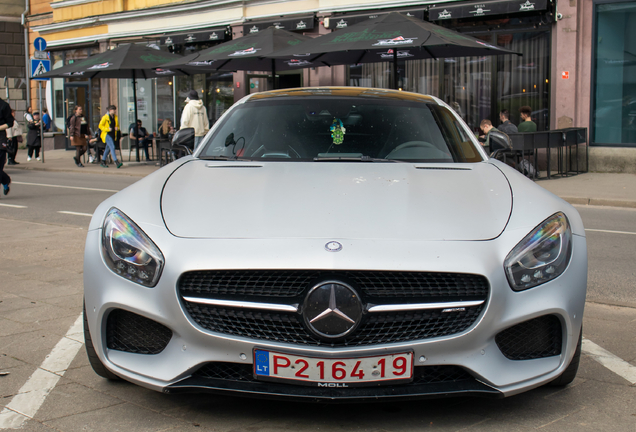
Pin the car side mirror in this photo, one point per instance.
(184, 137)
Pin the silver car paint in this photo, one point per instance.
(474, 349)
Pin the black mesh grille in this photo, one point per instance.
(536, 338)
(127, 331)
(292, 283)
(376, 328)
(421, 374)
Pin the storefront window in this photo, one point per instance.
(145, 104)
(614, 106)
(216, 91)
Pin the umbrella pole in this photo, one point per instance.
(274, 74)
(135, 101)
(395, 69)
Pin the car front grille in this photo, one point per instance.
(293, 283)
(129, 332)
(375, 287)
(533, 339)
(421, 374)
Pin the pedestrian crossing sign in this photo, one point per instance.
(38, 67)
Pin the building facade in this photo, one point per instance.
(578, 66)
(13, 62)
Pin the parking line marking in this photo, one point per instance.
(31, 396)
(66, 187)
(76, 213)
(611, 232)
(616, 364)
(13, 206)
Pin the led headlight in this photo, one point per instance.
(128, 251)
(542, 255)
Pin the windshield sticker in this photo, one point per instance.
(100, 66)
(337, 131)
(400, 54)
(400, 40)
(248, 51)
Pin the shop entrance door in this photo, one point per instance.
(76, 94)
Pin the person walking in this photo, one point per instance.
(195, 116)
(109, 125)
(526, 125)
(506, 125)
(34, 140)
(14, 135)
(78, 137)
(6, 122)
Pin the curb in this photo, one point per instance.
(600, 202)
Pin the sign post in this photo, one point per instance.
(40, 65)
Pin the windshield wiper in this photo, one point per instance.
(363, 158)
(214, 157)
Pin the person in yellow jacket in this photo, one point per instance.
(109, 125)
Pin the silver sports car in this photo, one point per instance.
(336, 244)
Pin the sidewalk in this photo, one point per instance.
(602, 189)
(62, 161)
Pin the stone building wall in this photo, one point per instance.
(12, 66)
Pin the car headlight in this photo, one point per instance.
(128, 251)
(542, 255)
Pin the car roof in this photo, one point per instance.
(344, 92)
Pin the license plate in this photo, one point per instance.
(332, 372)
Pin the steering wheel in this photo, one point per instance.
(414, 144)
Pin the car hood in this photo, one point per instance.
(336, 200)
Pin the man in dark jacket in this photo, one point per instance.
(6, 121)
(506, 125)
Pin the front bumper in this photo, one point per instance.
(474, 350)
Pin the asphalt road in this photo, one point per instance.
(41, 296)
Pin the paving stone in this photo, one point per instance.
(68, 398)
(123, 417)
(41, 312)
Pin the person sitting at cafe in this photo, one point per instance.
(526, 125)
(506, 125)
(141, 136)
(486, 127)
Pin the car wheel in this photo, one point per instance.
(569, 374)
(94, 360)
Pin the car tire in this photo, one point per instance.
(94, 360)
(569, 374)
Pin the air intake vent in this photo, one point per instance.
(129, 332)
(537, 338)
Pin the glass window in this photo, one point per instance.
(614, 110)
(332, 127)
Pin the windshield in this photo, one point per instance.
(341, 128)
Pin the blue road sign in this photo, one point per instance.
(38, 67)
(39, 44)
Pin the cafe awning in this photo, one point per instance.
(338, 21)
(289, 24)
(210, 35)
(456, 10)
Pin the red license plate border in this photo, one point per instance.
(292, 381)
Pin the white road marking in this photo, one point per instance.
(616, 364)
(611, 232)
(76, 213)
(13, 205)
(65, 187)
(30, 397)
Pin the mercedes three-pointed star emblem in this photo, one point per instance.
(332, 310)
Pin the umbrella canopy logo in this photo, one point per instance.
(444, 14)
(298, 63)
(400, 54)
(244, 52)
(200, 63)
(100, 66)
(78, 73)
(160, 71)
(527, 6)
(341, 24)
(400, 40)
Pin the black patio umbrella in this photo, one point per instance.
(388, 38)
(252, 52)
(127, 61)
